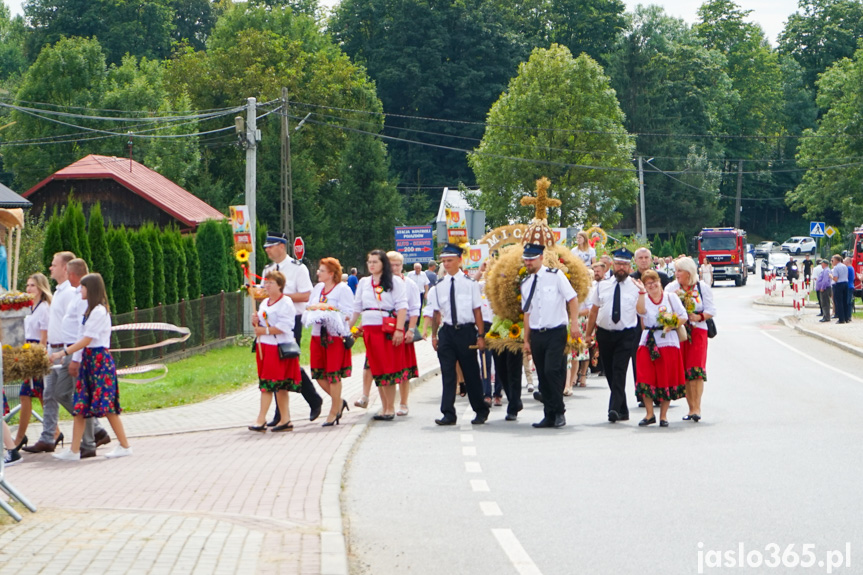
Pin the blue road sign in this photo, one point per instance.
(816, 229)
(415, 243)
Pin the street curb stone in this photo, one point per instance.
(792, 323)
(334, 552)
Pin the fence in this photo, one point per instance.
(210, 319)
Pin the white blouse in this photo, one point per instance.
(98, 327)
(485, 308)
(413, 295)
(669, 302)
(373, 309)
(703, 300)
(587, 257)
(428, 310)
(341, 297)
(37, 321)
(280, 315)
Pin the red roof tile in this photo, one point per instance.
(138, 178)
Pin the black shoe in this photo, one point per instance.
(645, 422)
(544, 423)
(687, 417)
(12, 457)
(612, 416)
(824, 321)
(695, 417)
(663, 423)
(102, 438)
(537, 396)
(559, 420)
(272, 423)
(286, 427)
(315, 413)
(22, 444)
(259, 428)
(445, 421)
(382, 417)
(85, 453)
(511, 417)
(623, 417)
(479, 419)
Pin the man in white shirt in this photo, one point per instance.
(298, 287)
(547, 296)
(65, 317)
(614, 320)
(419, 277)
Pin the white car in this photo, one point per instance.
(775, 263)
(799, 245)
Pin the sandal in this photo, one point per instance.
(497, 402)
(567, 391)
(582, 380)
(363, 401)
(403, 409)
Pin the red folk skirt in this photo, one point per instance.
(386, 361)
(275, 374)
(695, 355)
(661, 378)
(331, 361)
(410, 359)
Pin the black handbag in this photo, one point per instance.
(711, 325)
(349, 341)
(289, 350)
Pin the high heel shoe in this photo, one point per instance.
(22, 444)
(59, 441)
(344, 407)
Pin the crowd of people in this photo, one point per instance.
(834, 281)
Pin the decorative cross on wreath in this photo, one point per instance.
(541, 201)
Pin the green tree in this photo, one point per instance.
(69, 228)
(234, 278)
(261, 259)
(182, 265)
(193, 265)
(100, 252)
(154, 237)
(53, 240)
(657, 245)
(210, 242)
(172, 267)
(576, 138)
(834, 194)
(33, 241)
(13, 33)
(680, 245)
(142, 254)
(124, 283)
(81, 230)
(193, 21)
(137, 27)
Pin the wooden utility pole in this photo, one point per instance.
(286, 177)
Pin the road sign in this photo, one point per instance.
(830, 231)
(816, 229)
(299, 248)
(415, 243)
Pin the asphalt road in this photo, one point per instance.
(775, 461)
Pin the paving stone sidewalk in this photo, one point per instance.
(202, 494)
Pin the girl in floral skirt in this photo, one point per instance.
(96, 391)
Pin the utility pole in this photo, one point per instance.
(287, 187)
(641, 217)
(252, 174)
(737, 207)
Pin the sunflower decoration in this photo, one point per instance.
(515, 331)
(242, 256)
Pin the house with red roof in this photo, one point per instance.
(130, 193)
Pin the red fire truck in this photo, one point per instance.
(725, 250)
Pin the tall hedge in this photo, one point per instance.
(153, 235)
(102, 261)
(261, 259)
(69, 229)
(171, 265)
(123, 284)
(210, 243)
(193, 266)
(53, 240)
(182, 265)
(83, 240)
(143, 263)
(234, 278)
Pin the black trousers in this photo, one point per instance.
(615, 352)
(454, 346)
(508, 366)
(547, 349)
(634, 366)
(308, 391)
(840, 300)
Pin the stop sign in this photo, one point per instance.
(299, 248)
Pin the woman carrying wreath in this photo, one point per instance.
(658, 358)
(274, 325)
(379, 298)
(697, 299)
(329, 358)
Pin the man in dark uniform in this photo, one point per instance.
(643, 262)
(456, 305)
(298, 287)
(807, 270)
(614, 320)
(546, 297)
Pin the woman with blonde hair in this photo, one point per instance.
(583, 249)
(35, 331)
(697, 298)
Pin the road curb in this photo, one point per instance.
(789, 322)
(334, 549)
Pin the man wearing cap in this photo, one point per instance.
(298, 287)
(546, 297)
(456, 304)
(614, 320)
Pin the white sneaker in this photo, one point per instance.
(119, 451)
(67, 455)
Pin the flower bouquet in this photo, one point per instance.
(13, 301)
(328, 316)
(668, 320)
(30, 361)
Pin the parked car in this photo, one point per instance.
(775, 263)
(764, 248)
(799, 244)
(750, 262)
